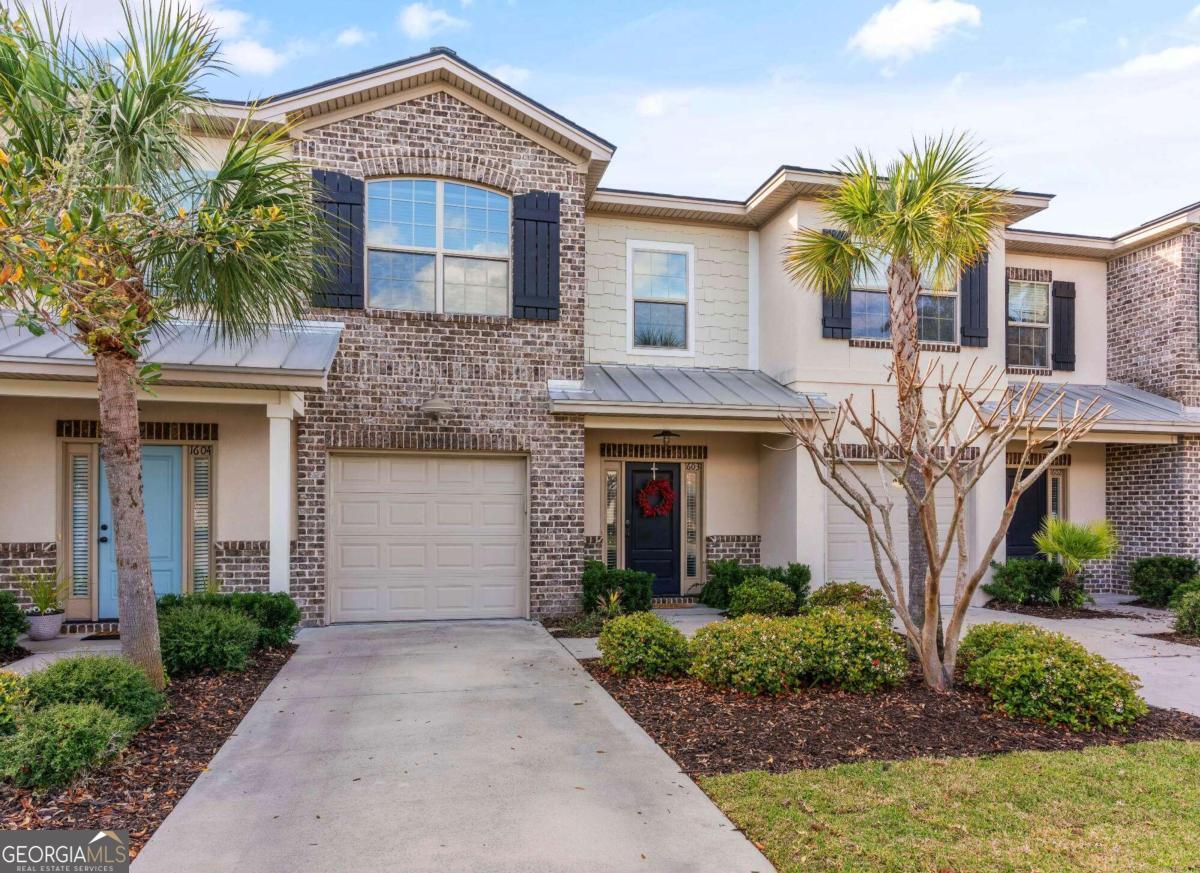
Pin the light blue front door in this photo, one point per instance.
(162, 491)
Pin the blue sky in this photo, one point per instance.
(1096, 102)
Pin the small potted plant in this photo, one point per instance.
(46, 591)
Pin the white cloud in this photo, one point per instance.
(1194, 15)
(417, 20)
(661, 103)
(1169, 60)
(251, 56)
(352, 36)
(515, 76)
(1071, 25)
(908, 28)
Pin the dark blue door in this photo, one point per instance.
(652, 543)
(1027, 518)
(162, 491)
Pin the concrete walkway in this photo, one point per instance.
(442, 746)
(46, 652)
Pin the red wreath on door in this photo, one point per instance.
(661, 489)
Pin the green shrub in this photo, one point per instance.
(852, 649)
(109, 680)
(795, 576)
(724, 576)
(1187, 614)
(643, 644)
(1182, 591)
(14, 695)
(53, 745)
(841, 594)
(196, 637)
(754, 654)
(759, 595)
(636, 587)
(1026, 581)
(1155, 579)
(983, 638)
(275, 613)
(13, 622)
(1057, 681)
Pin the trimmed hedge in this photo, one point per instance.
(635, 587)
(1187, 614)
(642, 644)
(1026, 581)
(725, 576)
(53, 745)
(275, 613)
(108, 680)
(13, 622)
(197, 637)
(843, 594)
(1053, 679)
(759, 595)
(983, 638)
(1155, 579)
(14, 695)
(852, 649)
(1192, 585)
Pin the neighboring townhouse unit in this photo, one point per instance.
(507, 354)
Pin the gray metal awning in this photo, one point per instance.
(1130, 408)
(299, 353)
(708, 391)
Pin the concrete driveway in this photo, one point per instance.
(442, 746)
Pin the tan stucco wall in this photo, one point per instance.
(721, 287)
(1091, 326)
(731, 478)
(1085, 482)
(30, 456)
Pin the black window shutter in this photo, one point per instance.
(973, 303)
(835, 308)
(1063, 339)
(339, 198)
(535, 252)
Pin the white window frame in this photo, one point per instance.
(1048, 326)
(638, 245)
(439, 251)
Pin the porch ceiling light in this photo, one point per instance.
(666, 436)
(436, 407)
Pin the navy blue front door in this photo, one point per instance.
(162, 492)
(652, 544)
(1027, 518)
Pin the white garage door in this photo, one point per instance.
(426, 536)
(848, 553)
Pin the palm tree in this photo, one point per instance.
(1071, 544)
(111, 227)
(928, 215)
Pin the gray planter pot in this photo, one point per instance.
(45, 627)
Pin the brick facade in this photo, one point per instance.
(23, 559)
(242, 565)
(746, 548)
(492, 369)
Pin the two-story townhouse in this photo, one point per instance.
(512, 369)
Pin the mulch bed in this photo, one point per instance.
(1172, 637)
(1051, 611)
(138, 790)
(709, 731)
(16, 653)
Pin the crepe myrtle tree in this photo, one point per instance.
(920, 221)
(110, 228)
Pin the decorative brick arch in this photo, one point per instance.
(437, 162)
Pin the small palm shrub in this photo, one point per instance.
(1187, 614)
(754, 654)
(842, 594)
(53, 745)
(14, 696)
(1155, 579)
(852, 649)
(1055, 680)
(1072, 545)
(759, 595)
(1026, 581)
(1182, 591)
(197, 638)
(13, 622)
(275, 613)
(109, 680)
(642, 644)
(635, 587)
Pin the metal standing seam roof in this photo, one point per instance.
(1129, 405)
(307, 348)
(623, 384)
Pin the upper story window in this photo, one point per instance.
(660, 296)
(870, 318)
(435, 246)
(1028, 333)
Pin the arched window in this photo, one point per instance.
(437, 246)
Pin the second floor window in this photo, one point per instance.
(1028, 334)
(435, 246)
(870, 318)
(660, 295)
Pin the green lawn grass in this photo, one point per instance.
(1106, 808)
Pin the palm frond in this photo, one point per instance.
(1073, 543)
